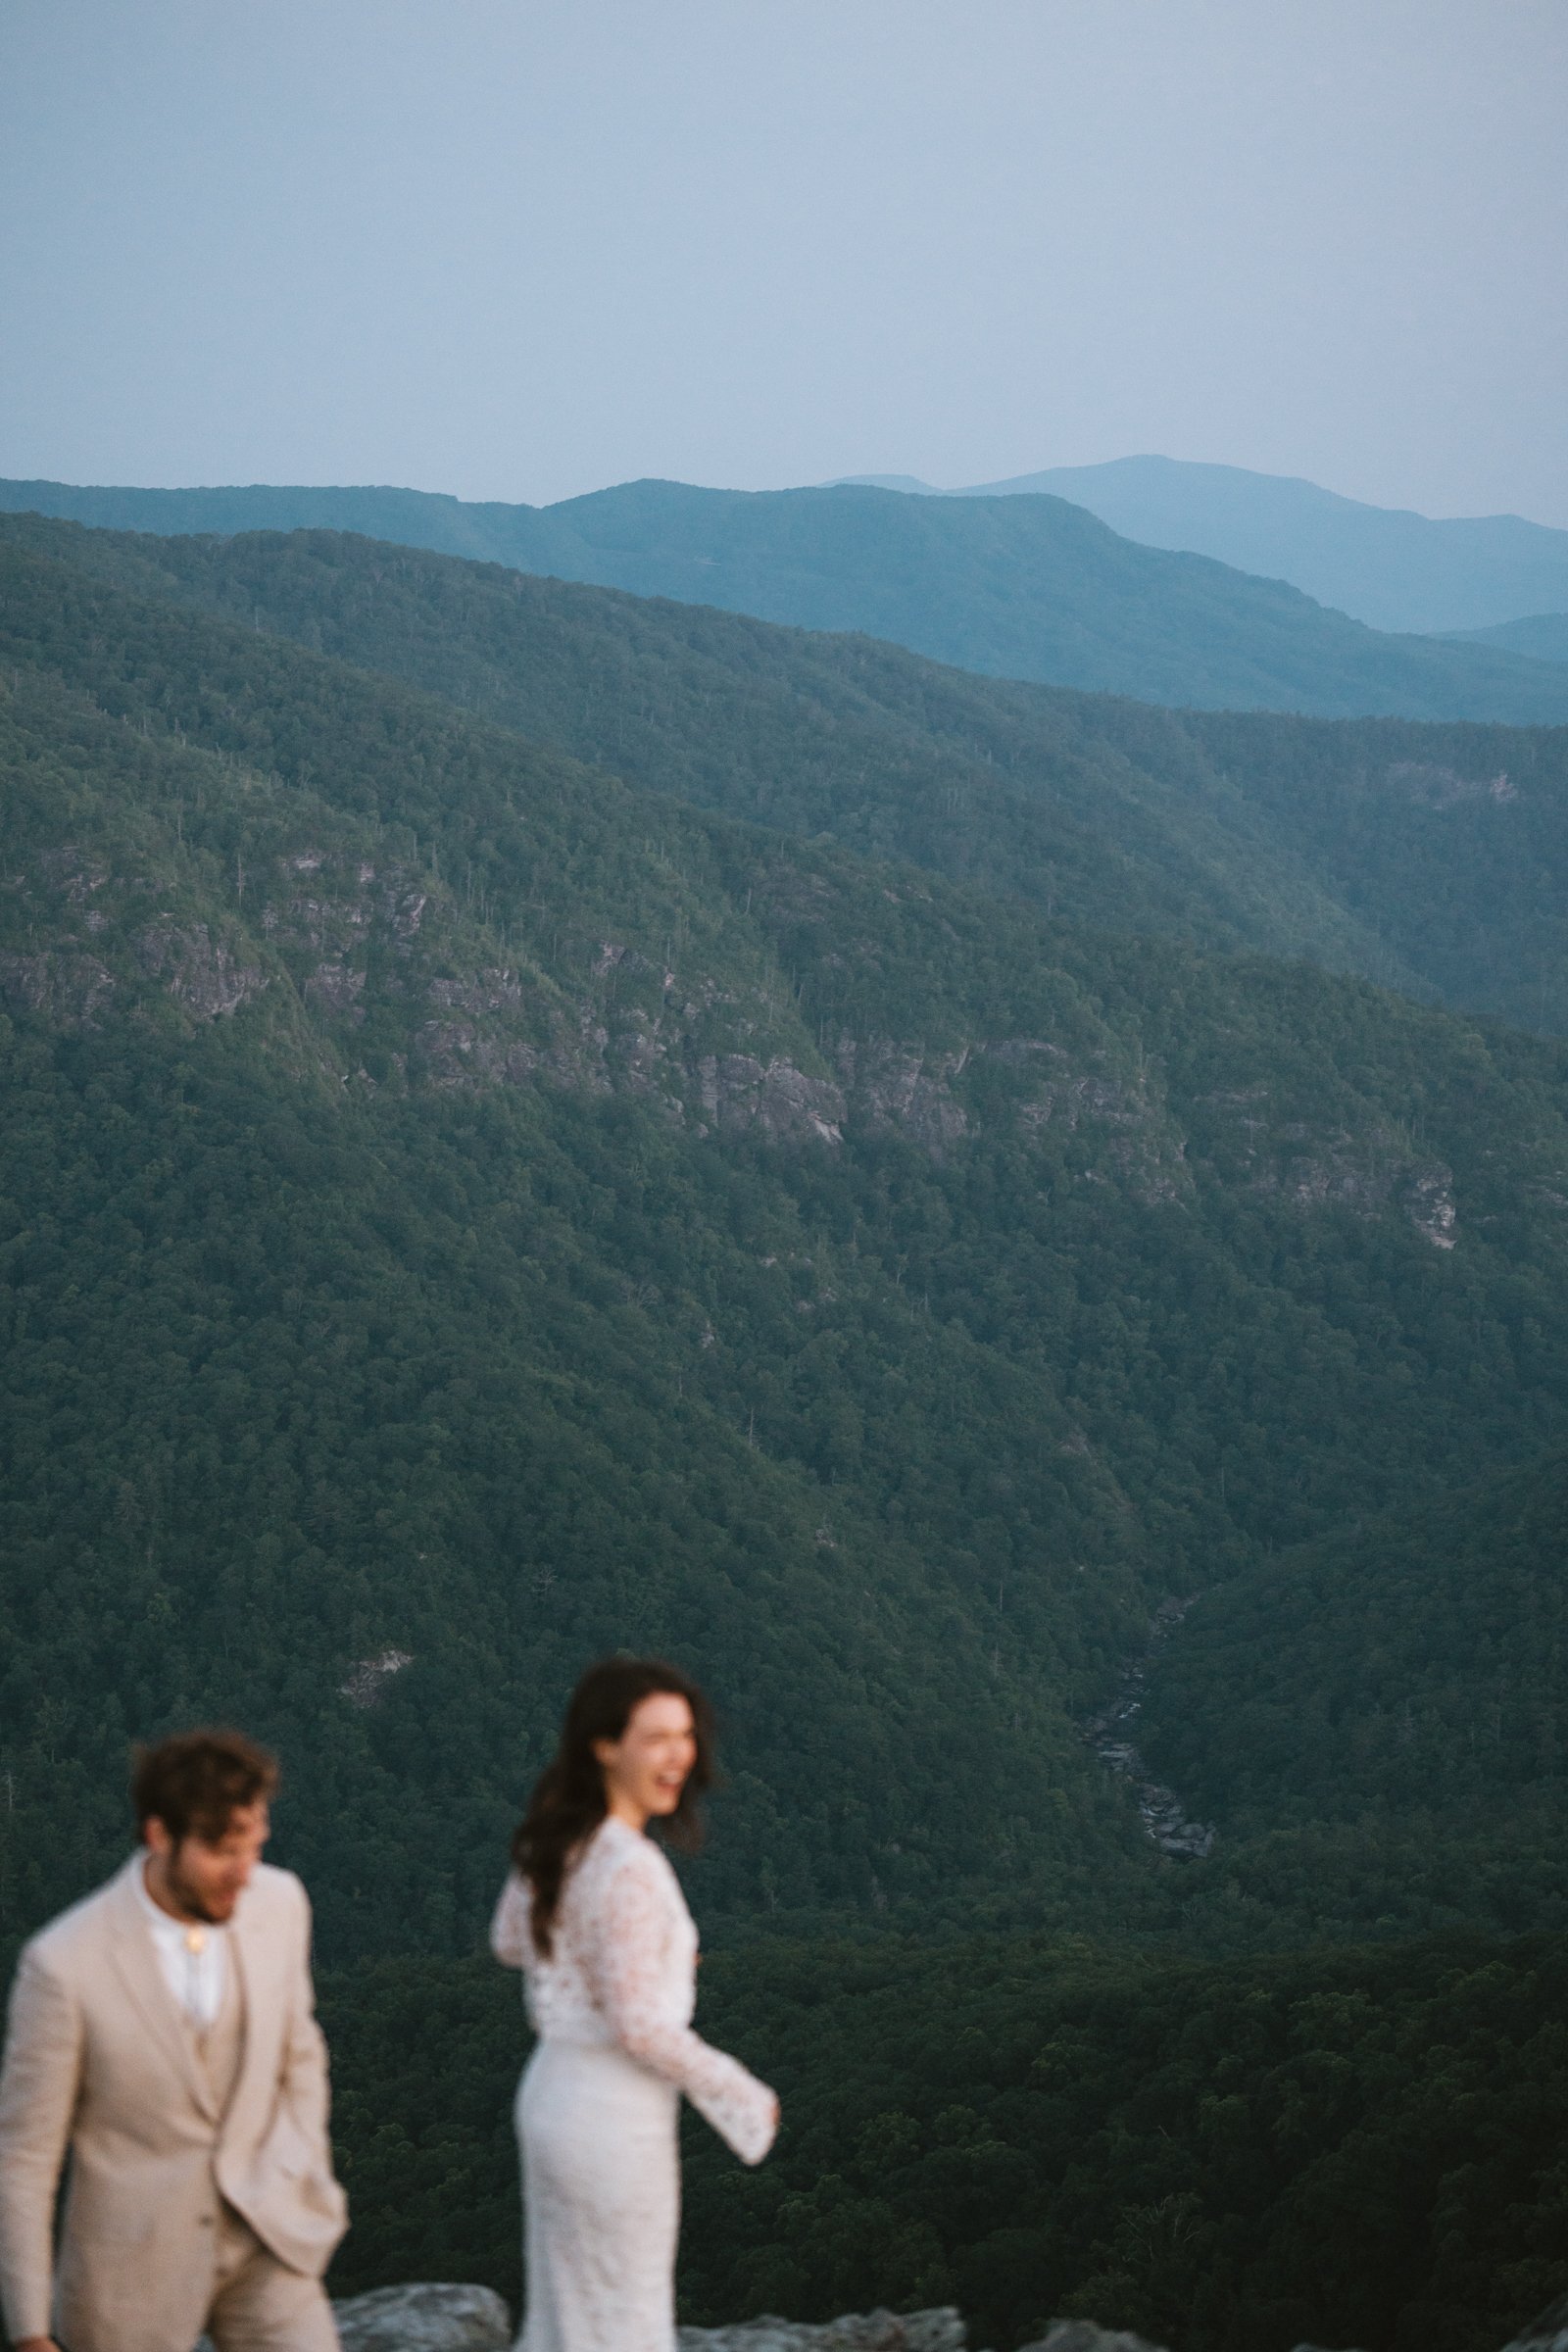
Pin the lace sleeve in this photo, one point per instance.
(510, 1936)
(631, 1984)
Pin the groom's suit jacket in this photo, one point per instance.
(100, 2062)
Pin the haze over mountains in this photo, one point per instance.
(1022, 587)
(1542, 636)
(1385, 566)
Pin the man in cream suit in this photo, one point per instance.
(164, 2033)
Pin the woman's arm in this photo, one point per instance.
(511, 1935)
(631, 1930)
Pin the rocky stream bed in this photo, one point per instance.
(1113, 1735)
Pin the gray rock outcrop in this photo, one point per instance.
(1546, 2334)
(473, 2318)
(869, 2331)
(424, 2319)
(197, 971)
(1081, 2335)
(420, 2318)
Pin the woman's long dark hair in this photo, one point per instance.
(568, 1802)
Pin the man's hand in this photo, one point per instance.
(36, 2344)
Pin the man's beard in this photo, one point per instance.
(191, 1901)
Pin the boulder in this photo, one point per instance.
(871, 2331)
(1081, 2335)
(471, 2319)
(424, 2319)
(1547, 2333)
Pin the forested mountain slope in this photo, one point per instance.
(1012, 587)
(1434, 858)
(1451, 841)
(1424, 1654)
(1023, 788)
(462, 1211)
(1346, 2147)
(1384, 565)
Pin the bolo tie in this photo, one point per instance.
(195, 1946)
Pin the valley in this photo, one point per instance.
(536, 1122)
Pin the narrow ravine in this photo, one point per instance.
(1113, 1735)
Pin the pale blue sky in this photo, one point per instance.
(523, 248)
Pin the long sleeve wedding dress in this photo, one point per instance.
(597, 2106)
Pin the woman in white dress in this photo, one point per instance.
(593, 1915)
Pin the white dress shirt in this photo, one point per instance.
(193, 1956)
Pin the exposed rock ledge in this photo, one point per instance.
(869, 2331)
(472, 2319)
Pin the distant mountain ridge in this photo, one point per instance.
(1425, 856)
(1388, 566)
(1031, 588)
(1542, 636)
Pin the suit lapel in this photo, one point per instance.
(248, 1955)
(135, 1960)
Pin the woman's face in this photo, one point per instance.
(647, 1768)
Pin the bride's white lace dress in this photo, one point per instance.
(597, 2106)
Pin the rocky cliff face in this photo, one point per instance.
(379, 970)
(390, 972)
(1307, 1167)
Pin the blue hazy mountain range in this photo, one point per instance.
(1026, 587)
(1385, 566)
(1542, 636)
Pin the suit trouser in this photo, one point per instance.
(259, 2304)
